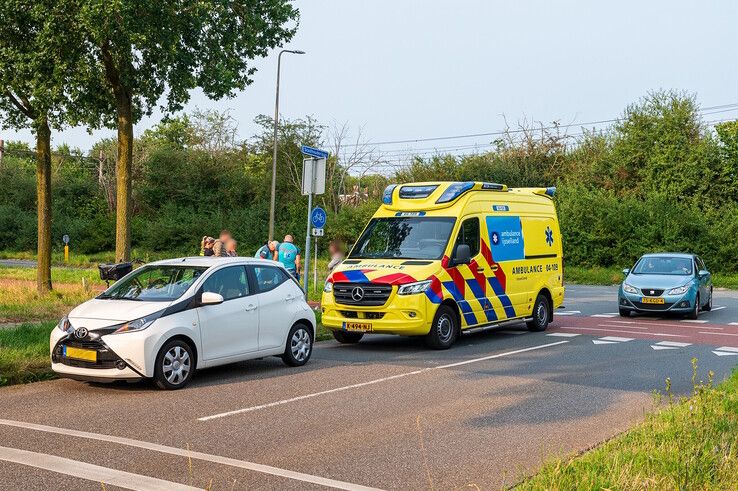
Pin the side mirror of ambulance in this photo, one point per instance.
(462, 255)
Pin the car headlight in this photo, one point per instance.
(64, 324)
(137, 324)
(413, 288)
(629, 289)
(680, 290)
(328, 287)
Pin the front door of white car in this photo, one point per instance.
(230, 328)
(278, 297)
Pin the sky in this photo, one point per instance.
(414, 69)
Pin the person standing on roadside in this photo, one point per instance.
(219, 247)
(289, 255)
(268, 251)
(207, 247)
(231, 248)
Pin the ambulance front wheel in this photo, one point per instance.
(344, 337)
(539, 322)
(444, 330)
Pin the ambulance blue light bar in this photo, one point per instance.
(387, 195)
(550, 191)
(417, 192)
(454, 190)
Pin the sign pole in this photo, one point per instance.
(315, 267)
(306, 270)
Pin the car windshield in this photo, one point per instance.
(673, 265)
(154, 283)
(404, 238)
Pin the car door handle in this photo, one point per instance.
(250, 308)
(289, 298)
(480, 270)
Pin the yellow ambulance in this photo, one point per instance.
(438, 258)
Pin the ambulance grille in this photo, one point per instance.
(364, 294)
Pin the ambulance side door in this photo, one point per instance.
(468, 281)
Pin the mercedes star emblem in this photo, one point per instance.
(80, 333)
(357, 293)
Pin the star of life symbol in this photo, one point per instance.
(549, 236)
(495, 238)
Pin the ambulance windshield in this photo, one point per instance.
(404, 238)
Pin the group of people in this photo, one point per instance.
(223, 246)
(285, 252)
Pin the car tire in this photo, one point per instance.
(539, 322)
(624, 312)
(345, 337)
(708, 305)
(175, 365)
(695, 312)
(444, 329)
(299, 346)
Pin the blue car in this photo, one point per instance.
(666, 282)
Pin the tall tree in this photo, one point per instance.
(38, 56)
(142, 53)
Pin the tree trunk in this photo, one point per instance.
(123, 167)
(43, 194)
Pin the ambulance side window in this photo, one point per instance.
(469, 235)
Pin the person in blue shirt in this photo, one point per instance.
(268, 251)
(289, 255)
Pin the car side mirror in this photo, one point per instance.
(211, 298)
(703, 273)
(626, 271)
(462, 255)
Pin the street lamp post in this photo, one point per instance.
(274, 155)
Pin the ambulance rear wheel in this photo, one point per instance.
(539, 322)
(344, 337)
(444, 330)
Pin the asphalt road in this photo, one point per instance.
(386, 413)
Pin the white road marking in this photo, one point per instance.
(570, 312)
(373, 382)
(674, 343)
(727, 348)
(91, 472)
(657, 347)
(632, 332)
(694, 321)
(618, 325)
(719, 308)
(616, 339)
(622, 322)
(725, 353)
(564, 334)
(597, 341)
(216, 459)
(718, 333)
(603, 315)
(733, 323)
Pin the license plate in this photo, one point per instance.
(357, 326)
(656, 300)
(80, 354)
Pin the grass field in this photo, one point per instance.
(614, 276)
(691, 444)
(24, 353)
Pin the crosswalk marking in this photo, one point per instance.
(598, 341)
(564, 334)
(616, 339)
(728, 348)
(570, 312)
(695, 321)
(603, 315)
(656, 347)
(674, 343)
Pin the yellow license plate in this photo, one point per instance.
(357, 326)
(656, 300)
(80, 354)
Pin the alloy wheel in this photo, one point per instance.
(300, 344)
(176, 365)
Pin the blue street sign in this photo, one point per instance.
(314, 152)
(318, 217)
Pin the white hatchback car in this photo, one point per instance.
(168, 318)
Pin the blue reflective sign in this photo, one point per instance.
(318, 217)
(314, 152)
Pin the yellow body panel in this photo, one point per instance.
(520, 256)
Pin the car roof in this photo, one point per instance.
(209, 261)
(670, 254)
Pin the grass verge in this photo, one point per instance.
(613, 276)
(691, 444)
(24, 353)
